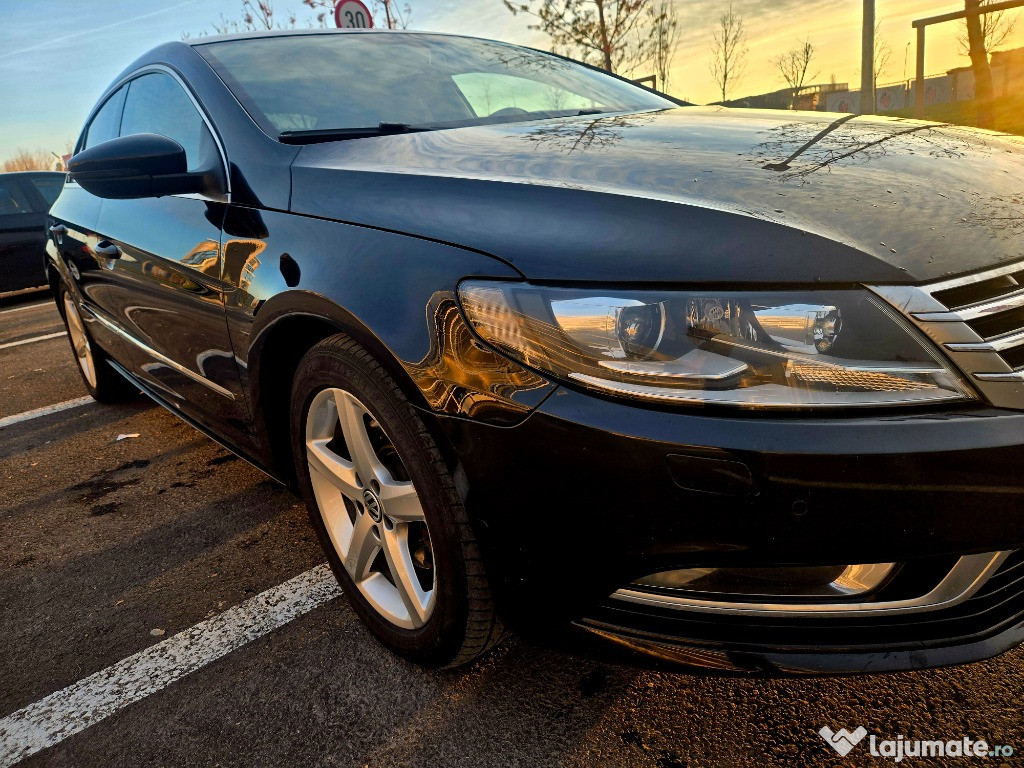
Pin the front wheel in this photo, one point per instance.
(386, 509)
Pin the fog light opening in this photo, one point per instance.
(783, 582)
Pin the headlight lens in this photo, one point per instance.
(754, 349)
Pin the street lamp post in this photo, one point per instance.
(867, 60)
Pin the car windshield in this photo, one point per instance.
(318, 84)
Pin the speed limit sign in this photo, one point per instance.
(352, 14)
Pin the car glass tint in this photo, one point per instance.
(489, 93)
(106, 122)
(157, 104)
(13, 201)
(48, 186)
(357, 80)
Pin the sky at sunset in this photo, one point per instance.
(56, 57)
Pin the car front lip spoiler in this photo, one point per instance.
(826, 661)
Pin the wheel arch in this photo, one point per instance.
(54, 278)
(282, 335)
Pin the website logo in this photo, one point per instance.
(842, 741)
(901, 748)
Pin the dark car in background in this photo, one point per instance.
(738, 388)
(25, 197)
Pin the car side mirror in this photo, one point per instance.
(139, 165)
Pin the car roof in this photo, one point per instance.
(323, 31)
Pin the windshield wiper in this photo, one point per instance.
(341, 134)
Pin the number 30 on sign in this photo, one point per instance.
(352, 14)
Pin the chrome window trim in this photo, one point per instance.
(965, 578)
(162, 68)
(163, 359)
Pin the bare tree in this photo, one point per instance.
(395, 16)
(24, 160)
(793, 65)
(257, 15)
(996, 29)
(882, 57)
(607, 32)
(260, 15)
(983, 90)
(728, 52)
(664, 35)
(883, 54)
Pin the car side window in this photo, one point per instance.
(106, 122)
(48, 186)
(13, 200)
(157, 104)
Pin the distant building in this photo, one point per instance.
(1007, 76)
(956, 85)
(810, 97)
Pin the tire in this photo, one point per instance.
(104, 383)
(372, 478)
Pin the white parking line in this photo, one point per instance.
(26, 307)
(64, 713)
(33, 340)
(46, 410)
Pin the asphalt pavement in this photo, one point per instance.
(112, 551)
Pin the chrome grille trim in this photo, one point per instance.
(995, 362)
(1012, 376)
(977, 277)
(994, 344)
(964, 314)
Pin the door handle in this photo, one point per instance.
(107, 249)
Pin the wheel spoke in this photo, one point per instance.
(353, 426)
(418, 603)
(362, 549)
(366, 511)
(79, 340)
(338, 472)
(401, 502)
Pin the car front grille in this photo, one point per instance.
(978, 321)
(996, 606)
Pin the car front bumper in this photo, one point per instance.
(588, 495)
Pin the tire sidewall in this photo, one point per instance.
(62, 294)
(438, 640)
(111, 386)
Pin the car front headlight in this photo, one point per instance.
(759, 349)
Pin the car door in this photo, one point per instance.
(163, 259)
(22, 220)
(73, 240)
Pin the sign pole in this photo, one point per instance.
(867, 60)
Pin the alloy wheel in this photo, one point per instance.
(79, 340)
(370, 508)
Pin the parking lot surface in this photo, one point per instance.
(111, 548)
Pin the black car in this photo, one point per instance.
(739, 388)
(25, 197)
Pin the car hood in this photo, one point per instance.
(695, 194)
